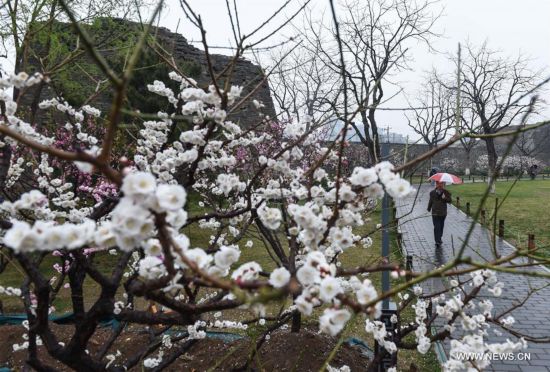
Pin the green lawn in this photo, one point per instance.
(524, 210)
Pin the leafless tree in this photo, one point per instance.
(492, 85)
(302, 84)
(432, 113)
(534, 143)
(469, 122)
(375, 38)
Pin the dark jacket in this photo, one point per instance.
(437, 204)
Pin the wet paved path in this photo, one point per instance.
(533, 318)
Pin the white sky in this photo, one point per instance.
(510, 26)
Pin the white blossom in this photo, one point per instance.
(139, 184)
(333, 321)
(227, 256)
(279, 277)
(329, 288)
(270, 217)
(363, 177)
(247, 272)
(171, 197)
(151, 267)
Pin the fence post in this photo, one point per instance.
(458, 201)
(501, 228)
(430, 310)
(386, 359)
(473, 179)
(531, 242)
(468, 208)
(408, 267)
(483, 216)
(495, 215)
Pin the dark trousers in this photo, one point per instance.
(439, 223)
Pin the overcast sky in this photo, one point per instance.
(510, 26)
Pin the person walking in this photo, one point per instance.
(439, 197)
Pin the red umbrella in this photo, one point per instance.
(446, 177)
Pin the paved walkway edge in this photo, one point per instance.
(439, 349)
(533, 319)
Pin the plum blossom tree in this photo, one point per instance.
(449, 164)
(274, 181)
(511, 165)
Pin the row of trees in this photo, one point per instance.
(491, 98)
(485, 93)
(372, 45)
(511, 165)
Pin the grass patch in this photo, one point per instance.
(524, 210)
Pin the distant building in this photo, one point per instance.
(336, 126)
(392, 137)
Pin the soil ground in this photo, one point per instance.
(284, 351)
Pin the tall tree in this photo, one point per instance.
(493, 87)
(375, 38)
(469, 122)
(303, 85)
(432, 113)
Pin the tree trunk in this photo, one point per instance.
(369, 141)
(468, 163)
(5, 151)
(430, 147)
(296, 321)
(296, 316)
(492, 159)
(374, 151)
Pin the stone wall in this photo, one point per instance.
(114, 39)
(245, 74)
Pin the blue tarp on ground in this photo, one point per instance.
(361, 345)
(68, 318)
(14, 319)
